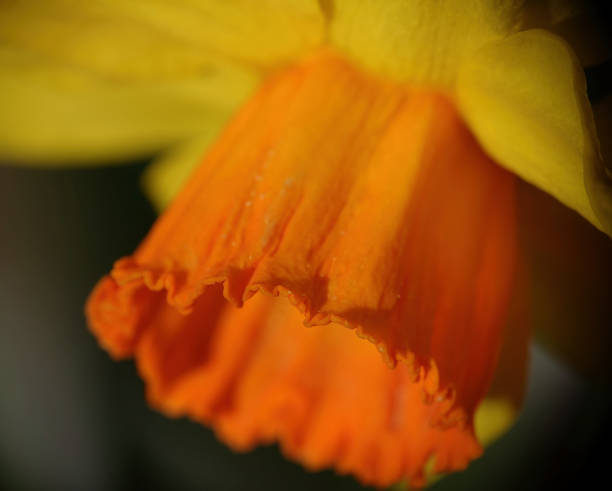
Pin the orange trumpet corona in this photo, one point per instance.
(367, 204)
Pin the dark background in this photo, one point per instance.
(72, 419)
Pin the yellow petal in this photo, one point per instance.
(525, 99)
(166, 176)
(493, 418)
(418, 41)
(110, 79)
(155, 39)
(54, 114)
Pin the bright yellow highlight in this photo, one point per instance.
(493, 417)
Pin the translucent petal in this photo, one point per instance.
(164, 178)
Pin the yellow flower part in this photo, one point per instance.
(419, 41)
(358, 157)
(496, 90)
(61, 115)
(108, 79)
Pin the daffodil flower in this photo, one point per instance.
(359, 158)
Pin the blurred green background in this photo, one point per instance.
(72, 419)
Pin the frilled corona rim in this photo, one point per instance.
(409, 420)
(126, 272)
(366, 204)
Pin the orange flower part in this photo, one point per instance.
(367, 204)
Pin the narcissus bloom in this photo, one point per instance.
(358, 159)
